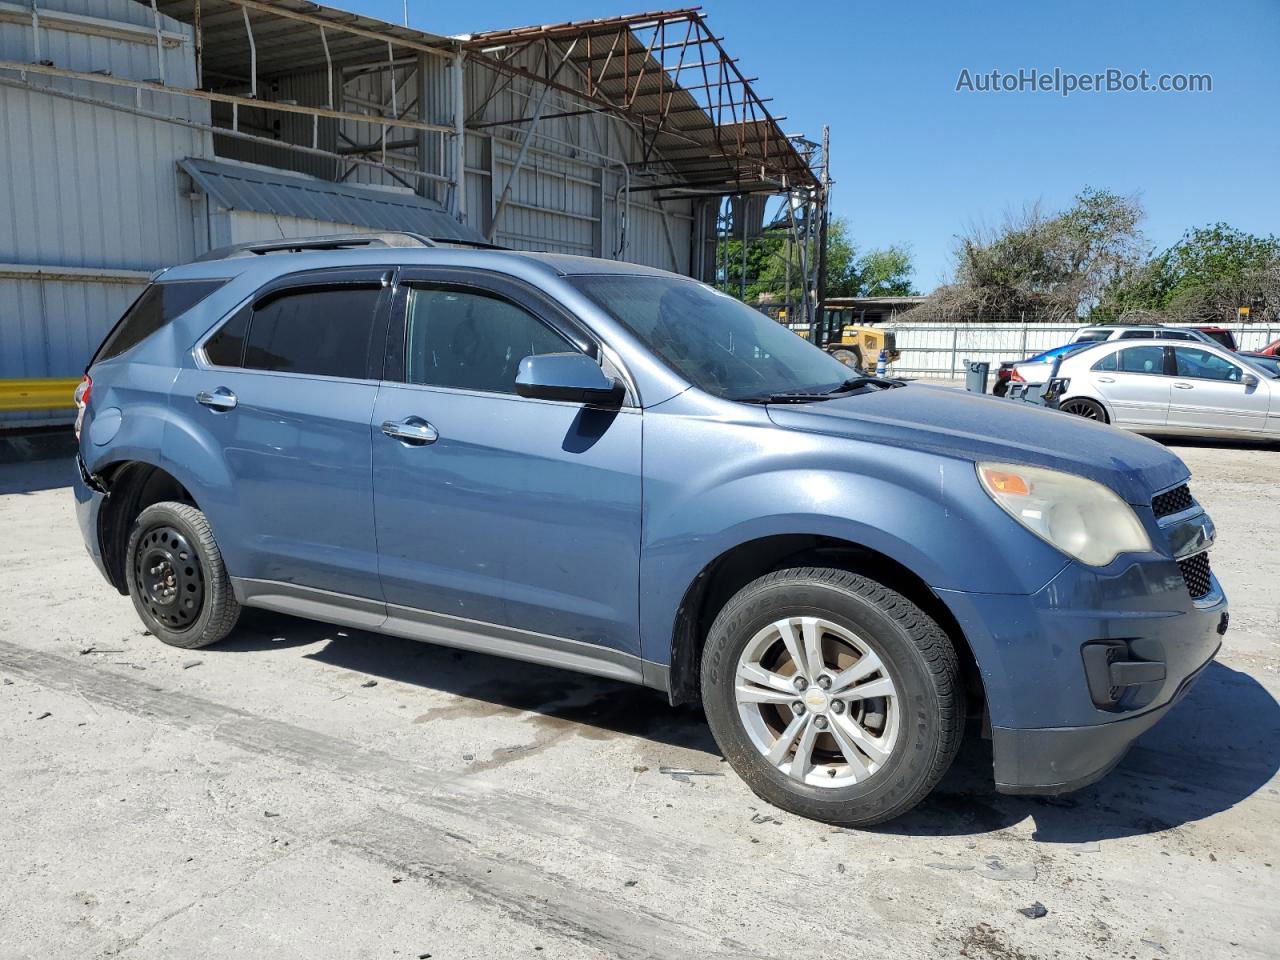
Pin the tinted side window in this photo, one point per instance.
(472, 341)
(157, 306)
(1092, 336)
(1141, 360)
(1138, 335)
(1107, 363)
(1204, 365)
(325, 331)
(226, 347)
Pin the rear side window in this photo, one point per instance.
(1141, 360)
(159, 304)
(323, 331)
(226, 347)
(1092, 336)
(1138, 335)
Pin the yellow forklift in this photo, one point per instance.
(854, 345)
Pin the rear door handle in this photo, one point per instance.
(1183, 386)
(1106, 379)
(220, 399)
(411, 430)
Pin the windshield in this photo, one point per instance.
(1270, 366)
(717, 343)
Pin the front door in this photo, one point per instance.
(285, 391)
(1132, 382)
(1209, 393)
(494, 510)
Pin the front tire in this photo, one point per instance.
(832, 696)
(176, 577)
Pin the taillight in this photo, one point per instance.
(1016, 376)
(83, 391)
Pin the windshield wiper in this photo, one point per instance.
(848, 386)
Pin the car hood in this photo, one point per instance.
(976, 427)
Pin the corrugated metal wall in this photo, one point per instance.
(567, 195)
(98, 189)
(310, 88)
(86, 187)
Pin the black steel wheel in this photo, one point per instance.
(176, 576)
(169, 577)
(1084, 407)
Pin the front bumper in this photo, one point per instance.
(1048, 733)
(1053, 760)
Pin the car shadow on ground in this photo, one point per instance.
(1218, 747)
(597, 708)
(1220, 443)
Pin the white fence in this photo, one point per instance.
(940, 349)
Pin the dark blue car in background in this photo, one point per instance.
(627, 473)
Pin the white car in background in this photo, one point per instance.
(1152, 331)
(1165, 386)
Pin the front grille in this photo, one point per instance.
(1195, 571)
(1172, 501)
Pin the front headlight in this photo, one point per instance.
(1080, 517)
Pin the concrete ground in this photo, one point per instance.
(312, 792)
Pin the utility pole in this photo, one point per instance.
(819, 334)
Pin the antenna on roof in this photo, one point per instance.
(406, 12)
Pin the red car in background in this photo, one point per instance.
(1271, 350)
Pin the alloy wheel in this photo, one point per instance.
(817, 702)
(1081, 408)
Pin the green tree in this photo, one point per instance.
(874, 273)
(1207, 275)
(1044, 266)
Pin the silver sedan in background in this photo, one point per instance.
(1167, 387)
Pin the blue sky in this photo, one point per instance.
(915, 161)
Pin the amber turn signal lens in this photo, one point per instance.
(1008, 483)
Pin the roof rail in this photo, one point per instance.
(339, 241)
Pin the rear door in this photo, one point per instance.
(285, 390)
(1133, 383)
(1209, 393)
(502, 511)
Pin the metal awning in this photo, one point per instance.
(704, 127)
(286, 36)
(237, 186)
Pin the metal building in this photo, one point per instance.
(135, 134)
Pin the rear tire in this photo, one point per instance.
(176, 577)
(1084, 407)
(872, 757)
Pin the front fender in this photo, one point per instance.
(925, 511)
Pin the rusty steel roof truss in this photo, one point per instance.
(667, 75)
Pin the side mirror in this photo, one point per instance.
(574, 377)
(1249, 380)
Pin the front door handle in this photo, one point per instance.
(219, 399)
(1183, 386)
(411, 430)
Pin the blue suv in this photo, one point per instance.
(627, 473)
